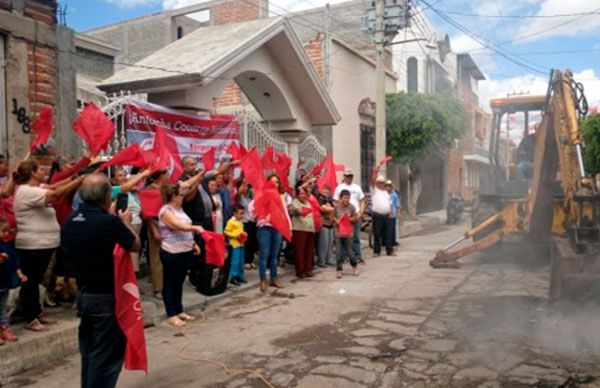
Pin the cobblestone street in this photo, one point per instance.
(400, 323)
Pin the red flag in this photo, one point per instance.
(269, 206)
(130, 156)
(282, 168)
(316, 210)
(42, 127)
(340, 167)
(151, 202)
(165, 148)
(208, 159)
(345, 227)
(243, 238)
(306, 211)
(216, 251)
(386, 160)
(94, 127)
(252, 168)
(268, 159)
(318, 168)
(243, 150)
(128, 310)
(234, 151)
(330, 177)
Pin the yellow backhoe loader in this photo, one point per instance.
(556, 202)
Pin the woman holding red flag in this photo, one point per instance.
(38, 234)
(303, 233)
(176, 251)
(269, 242)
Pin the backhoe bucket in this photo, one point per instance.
(574, 276)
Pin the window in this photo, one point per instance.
(412, 75)
(179, 32)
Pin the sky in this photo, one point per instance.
(536, 35)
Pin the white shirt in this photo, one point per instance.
(356, 194)
(37, 227)
(380, 201)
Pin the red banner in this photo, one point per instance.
(193, 134)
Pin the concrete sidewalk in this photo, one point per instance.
(425, 221)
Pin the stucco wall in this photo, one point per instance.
(353, 79)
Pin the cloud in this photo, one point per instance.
(543, 28)
(174, 4)
(128, 4)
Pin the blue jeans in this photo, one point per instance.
(269, 244)
(355, 244)
(237, 264)
(3, 308)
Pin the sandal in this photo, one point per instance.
(36, 325)
(176, 321)
(46, 319)
(187, 317)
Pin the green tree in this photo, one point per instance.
(418, 125)
(591, 137)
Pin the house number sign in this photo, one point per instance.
(22, 117)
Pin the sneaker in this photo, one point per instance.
(321, 265)
(7, 335)
(36, 325)
(243, 280)
(338, 274)
(235, 282)
(330, 264)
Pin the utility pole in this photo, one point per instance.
(380, 138)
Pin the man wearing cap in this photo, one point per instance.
(382, 208)
(395, 201)
(357, 199)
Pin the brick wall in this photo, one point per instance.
(41, 64)
(235, 11)
(314, 49)
(231, 96)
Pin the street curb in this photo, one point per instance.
(425, 221)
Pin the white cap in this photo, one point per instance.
(380, 178)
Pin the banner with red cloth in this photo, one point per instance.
(345, 226)
(42, 127)
(94, 127)
(216, 251)
(188, 134)
(128, 310)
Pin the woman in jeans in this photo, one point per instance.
(269, 244)
(176, 251)
(38, 235)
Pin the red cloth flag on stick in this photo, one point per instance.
(128, 310)
(243, 150)
(234, 151)
(208, 159)
(270, 206)
(306, 211)
(316, 210)
(165, 148)
(94, 127)
(42, 127)
(268, 159)
(215, 248)
(318, 168)
(150, 202)
(330, 177)
(345, 227)
(252, 168)
(130, 156)
(282, 168)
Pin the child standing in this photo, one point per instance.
(345, 212)
(234, 230)
(10, 277)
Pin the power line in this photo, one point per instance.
(484, 42)
(508, 16)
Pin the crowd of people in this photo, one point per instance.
(73, 214)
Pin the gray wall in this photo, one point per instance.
(93, 64)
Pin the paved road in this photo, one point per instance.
(400, 323)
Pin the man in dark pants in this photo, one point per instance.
(89, 237)
(382, 207)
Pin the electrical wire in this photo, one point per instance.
(509, 16)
